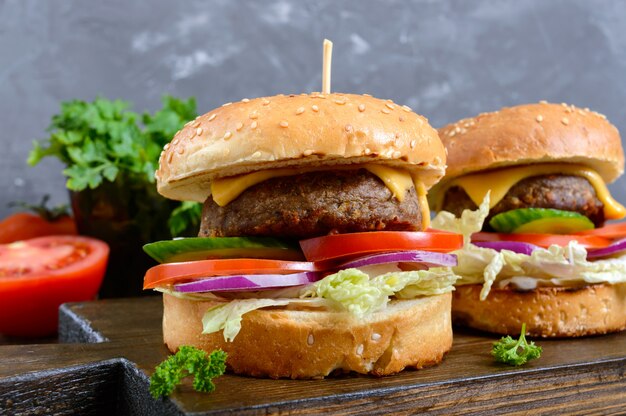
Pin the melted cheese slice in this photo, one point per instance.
(398, 181)
(500, 181)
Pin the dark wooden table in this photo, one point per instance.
(107, 349)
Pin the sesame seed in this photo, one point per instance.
(310, 339)
(254, 115)
(180, 150)
(348, 128)
(196, 124)
(308, 152)
(586, 109)
(457, 129)
(186, 124)
(390, 106)
(266, 102)
(300, 110)
(406, 108)
(340, 102)
(245, 100)
(367, 151)
(199, 131)
(401, 118)
(166, 146)
(384, 110)
(539, 118)
(413, 143)
(169, 159)
(396, 154)
(175, 142)
(366, 95)
(284, 123)
(212, 117)
(315, 108)
(451, 133)
(227, 135)
(361, 107)
(359, 349)
(375, 336)
(239, 126)
(565, 121)
(543, 102)
(292, 95)
(253, 125)
(226, 105)
(564, 105)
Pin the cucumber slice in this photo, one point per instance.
(540, 221)
(204, 248)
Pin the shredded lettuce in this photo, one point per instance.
(555, 266)
(349, 290)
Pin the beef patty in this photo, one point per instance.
(313, 204)
(568, 193)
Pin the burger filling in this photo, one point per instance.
(562, 192)
(313, 204)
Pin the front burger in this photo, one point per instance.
(541, 253)
(344, 175)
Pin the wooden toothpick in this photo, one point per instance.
(328, 57)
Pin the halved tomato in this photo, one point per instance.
(39, 274)
(338, 246)
(544, 240)
(612, 231)
(170, 273)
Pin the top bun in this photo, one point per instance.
(534, 133)
(308, 130)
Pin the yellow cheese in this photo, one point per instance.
(423, 204)
(500, 181)
(227, 189)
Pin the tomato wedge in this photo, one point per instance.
(544, 240)
(613, 231)
(170, 273)
(338, 246)
(39, 274)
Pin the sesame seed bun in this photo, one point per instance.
(533, 133)
(308, 130)
(547, 311)
(279, 342)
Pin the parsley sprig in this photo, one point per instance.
(515, 352)
(188, 361)
(104, 140)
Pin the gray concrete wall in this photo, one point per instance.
(446, 59)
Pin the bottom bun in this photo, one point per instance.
(277, 342)
(547, 311)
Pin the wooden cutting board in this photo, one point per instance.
(109, 348)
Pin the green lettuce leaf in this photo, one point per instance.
(555, 266)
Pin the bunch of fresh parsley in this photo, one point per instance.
(515, 351)
(104, 140)
(188, 361)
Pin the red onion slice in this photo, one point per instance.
(427, 258)
(515, 246)
(614, 248)
(247, 282)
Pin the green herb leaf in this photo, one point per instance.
(184, 218)
(188, 361)
(515, 352)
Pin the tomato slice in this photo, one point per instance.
(337, 246)
(39, 274)
(544, 240)
(613, 231)
(170, 273)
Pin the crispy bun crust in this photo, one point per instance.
(309, 130)
(547, 311)
(303, 344)
(533, 133)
